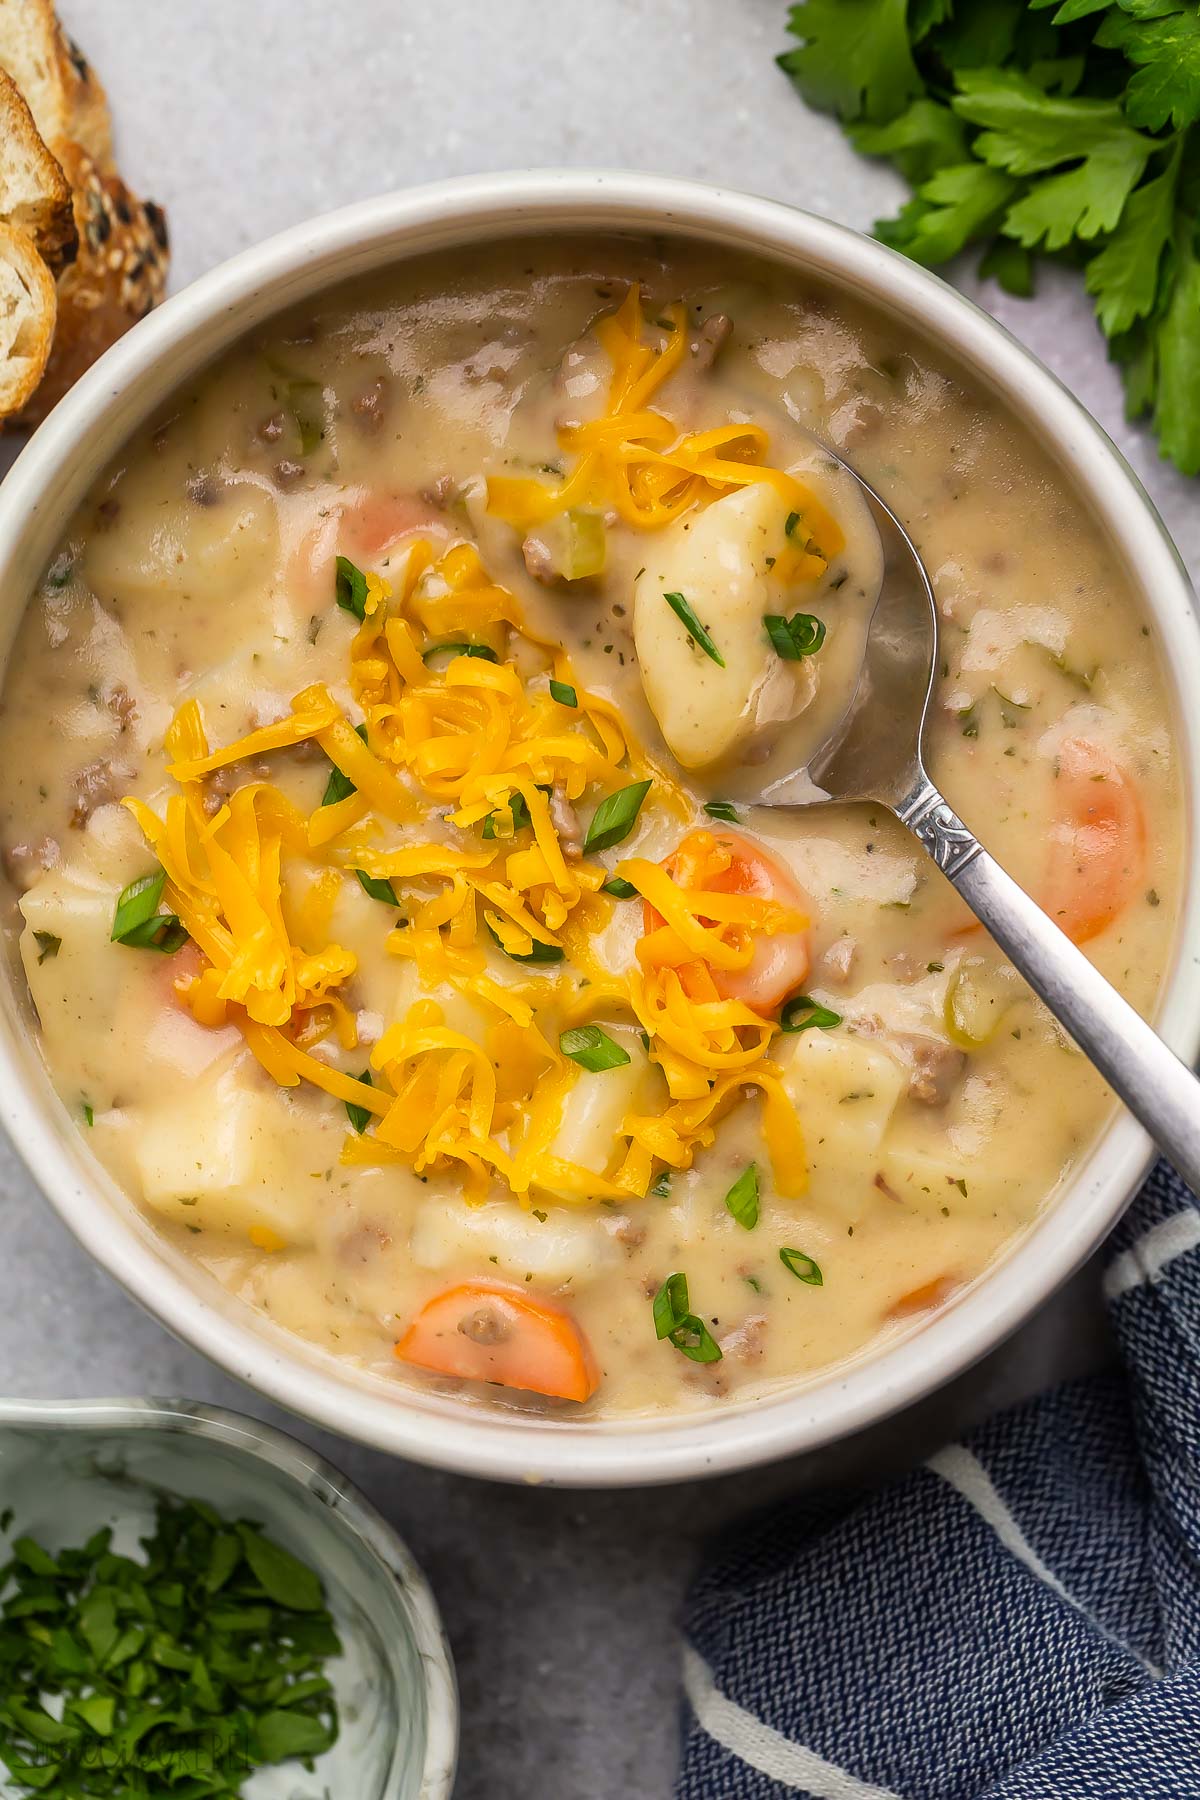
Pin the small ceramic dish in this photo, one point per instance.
(68, 1467)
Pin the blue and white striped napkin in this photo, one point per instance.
(1017, 1619)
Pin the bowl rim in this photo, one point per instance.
(191, 328)
(342, 1499)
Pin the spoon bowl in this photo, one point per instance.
(876, 754)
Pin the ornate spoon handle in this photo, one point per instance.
(1156, 1087)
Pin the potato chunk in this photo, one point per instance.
(845, 1092)
(597, 1104)
(718, 560)
(74, 972)
(223, 1156)
(563, 1246)
(228, 548)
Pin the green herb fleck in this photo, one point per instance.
(619, 888)
(692, 625)
(797, 1263)
(722, 809)
(360, 1116)
(483, 652)
(350, 587)
(679, 1326)
(615, 817)
(540, 953)
(137, 922)
(803, 1013)
(519, 812)
(339, 786)
(592, 1049)
(48, 946)
(801, 635)
(376, 888)
(564, 693)
(742, 1199)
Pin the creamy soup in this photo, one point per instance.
(379, 750)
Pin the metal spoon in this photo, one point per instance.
(876, 755)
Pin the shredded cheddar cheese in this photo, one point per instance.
(635, 460)
(457, 792)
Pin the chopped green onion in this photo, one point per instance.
(790, 523)
(670, 1303)
(350, 586)
(378, 890)
(540, 953)
(306, 403)
(691, 623)
(802, 1013)
(89, 1115)
(520, 817)
(722, 809)
(564, 693)
(484, 652)
(614, 818)
(339, 786)
(801, 635)
(574, 546)
(137, 922)
(802, 1267)
(592, 1049)
(662, 1187)
(742, 1198)
(360, 1116)
(619, 888)
(674, 1322)
(137, 903)
(48, 946)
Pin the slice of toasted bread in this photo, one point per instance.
(119, 273)
(64, 95)
(35, 195)
(27, 313)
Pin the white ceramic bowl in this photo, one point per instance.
(136, 376)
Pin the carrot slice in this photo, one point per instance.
(728, 863)
(924, 1298)
(485, 1331)
(1098, 854)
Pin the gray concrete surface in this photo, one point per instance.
(242, 116)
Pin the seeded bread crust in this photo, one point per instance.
(35, 195)
(119, 273)
(62, 90)
(27, 313)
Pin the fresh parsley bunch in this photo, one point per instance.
(1059, 126)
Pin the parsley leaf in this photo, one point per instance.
(854, 58)
(1166, 52)
(1063, 127)
(926, 137)
(1177, 409)
(1124, 275)
(956, 207)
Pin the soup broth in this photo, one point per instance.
(398, 928)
